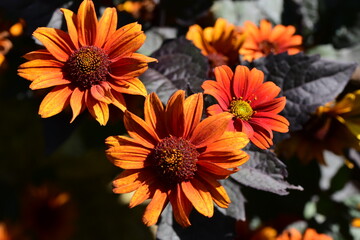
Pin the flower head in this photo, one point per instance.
(90, 67)
(173, 156)
(251, 103)
(334, 127)
(220, 44)
(263, 40)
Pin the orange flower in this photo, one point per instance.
(334, 127)
(175, 157)
(251, 103)
(310, 234)
(89, 67)
(263, 40)
(220, 44)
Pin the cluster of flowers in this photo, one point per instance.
(173, 154)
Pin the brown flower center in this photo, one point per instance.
(267, 47)
(87, 66)
(241, 109)
(175, 159)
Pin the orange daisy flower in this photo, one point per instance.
(251, 103)
(89, 67)
(175, 157)
(310, 234)
(220, 44)
(263, 40)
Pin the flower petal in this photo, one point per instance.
(131, 86)
(139, 129)
(71, 22)
(77, 102)
(240, 80)
(214, 109)
(181, 206)
(144, 192)
(87, 23)
(99, 110)
(193, 108)
(174, 114)
(217, 191)
(107, 26)
(155, 207)
(55, 101)
(214, 89)
(199, 197)
(56, 41)
(214, 169)
(125, 41)
(210, 129)
(49, 80)
(42, 54)
(127, 181)
(128, 157)
(155, 114)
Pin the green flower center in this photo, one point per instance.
(87, 66)
(241, 109)
(175, 159)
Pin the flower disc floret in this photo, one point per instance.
(87, 66)
(241, 109)
(175, 159)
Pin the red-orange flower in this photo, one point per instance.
(90, 66)
(310, 234)
(263, 40)
(251, 103)
(175, 157)
(220, 44)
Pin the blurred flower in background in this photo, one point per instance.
(263, 40)
(334, 127)
(220, 44)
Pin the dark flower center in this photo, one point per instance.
(241, 109)
(267, 47)
(87, 66)
(175, 159)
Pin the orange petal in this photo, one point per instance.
(265, 29)
(102, 92)
(214, 89)
(214, 169)
(240, 79)
(107, 26)
(174, 114)
(130, 67)
(277, 32)
(127, 181)
(224, 75)
(214, 109)
(199, 197)
(226, 160)
(128, 157)
(49, 80)
(131, 86)
(87, 23)
(77, 102)
(42, 54)
(71, 22)
(261, 140)
(193, 109)
(139, 129)
(56, 41)
(275, 122)
(115, 141)
(155, 114)
(125, 41)
(55, 101)
(99, 110)
(155, 207)
(210, 129)
(118, 100)
(181, 206)
(216, 190)
(142, 193)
